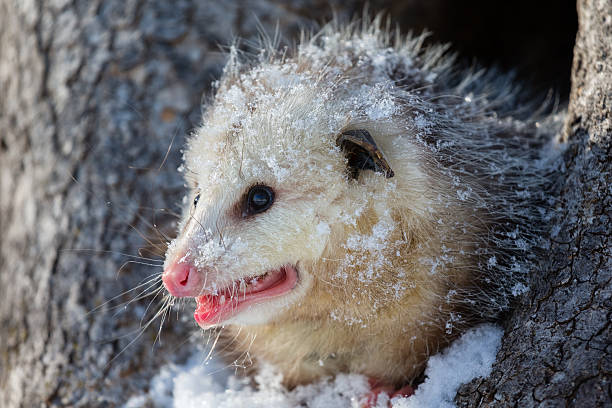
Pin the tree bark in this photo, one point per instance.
(95, 95)
(91, 95)
(557, 349)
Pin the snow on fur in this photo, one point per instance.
(412, 261)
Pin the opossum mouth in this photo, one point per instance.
(216, 308)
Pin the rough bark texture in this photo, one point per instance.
(95, 90)
(557, 350)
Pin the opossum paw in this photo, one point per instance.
(380, 395)
(405, 391)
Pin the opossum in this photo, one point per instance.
(358, 203)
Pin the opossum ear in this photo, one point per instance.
(362, 153)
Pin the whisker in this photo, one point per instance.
(141, 332)
(103, 251)
(212, 347)
(147, 282)
(157, 292)
(166, 307)
(143, 295)
(169, 148)
(155, 265)
(143, 236)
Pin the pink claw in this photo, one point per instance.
(376, 390)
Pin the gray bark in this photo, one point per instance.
(557, 350)
(95, 91)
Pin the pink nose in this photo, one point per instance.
(182, 280)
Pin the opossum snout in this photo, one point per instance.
(182, 279)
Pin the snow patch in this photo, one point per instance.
(212, 384)
(471, 356)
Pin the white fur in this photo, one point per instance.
(402, 252)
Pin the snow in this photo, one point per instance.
(469, 357)
(519, 289)
(198, 384)
(323, 229)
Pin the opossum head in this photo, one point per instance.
(294, 199)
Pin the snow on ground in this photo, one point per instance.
(202, 385)
(469, 357)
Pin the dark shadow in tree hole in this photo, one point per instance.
(535, 38)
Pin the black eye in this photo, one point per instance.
(196, 199)
(259, 199)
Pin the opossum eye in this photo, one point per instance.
(196, 199)
(259, 199)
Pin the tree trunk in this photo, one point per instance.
(557, 350)
(95, 95)
(91, 95)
